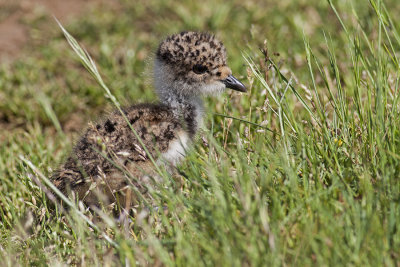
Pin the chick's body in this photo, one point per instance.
(111, 148)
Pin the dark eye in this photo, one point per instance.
(199, 69)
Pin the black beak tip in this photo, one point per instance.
(241, 88)
(234, 84)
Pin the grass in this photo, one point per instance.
(303, 170)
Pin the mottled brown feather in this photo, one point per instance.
(110, 145)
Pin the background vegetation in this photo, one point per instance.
(306, 172)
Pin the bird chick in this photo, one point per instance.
(113, 154)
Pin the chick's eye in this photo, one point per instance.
(199, 69)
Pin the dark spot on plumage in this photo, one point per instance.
(169, 135)
(187, 38)
(117, 137)
(133, 120)
(157, 139)
(125, 111)
(166, 56)
(218, 73)
(203, 49)
(109, 126)
(83, 143)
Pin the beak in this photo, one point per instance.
(233, 83)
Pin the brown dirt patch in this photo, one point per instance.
(14, 14)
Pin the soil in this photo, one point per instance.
(17, 28)
(14, 30)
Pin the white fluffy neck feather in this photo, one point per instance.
(170, 95)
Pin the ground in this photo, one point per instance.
(301, 171)
(14, 29)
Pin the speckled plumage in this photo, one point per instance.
(187, 66)
(112, 142)
(189, 48)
